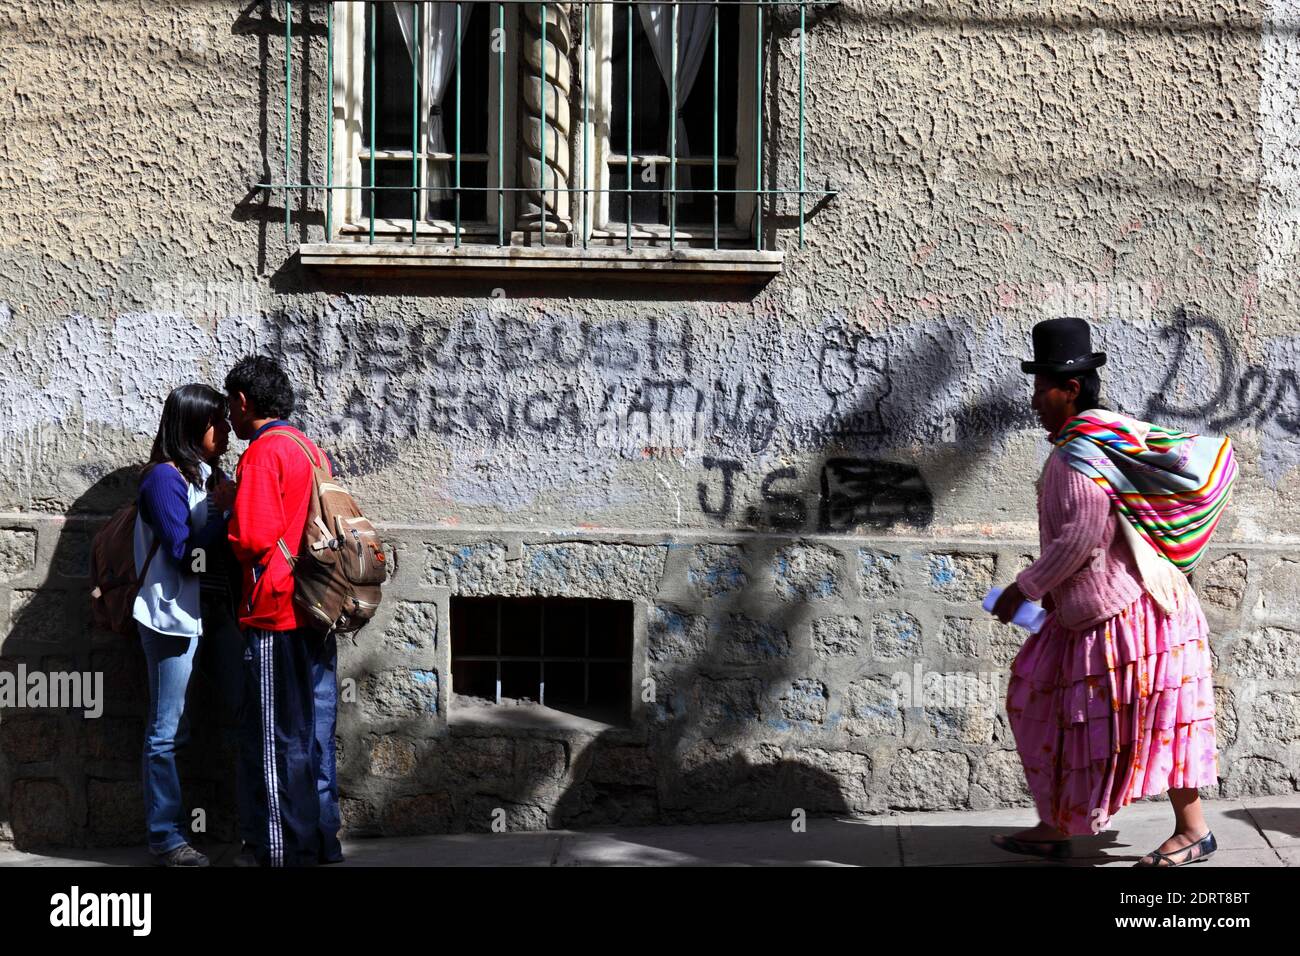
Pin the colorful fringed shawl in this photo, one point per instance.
(1169, 486)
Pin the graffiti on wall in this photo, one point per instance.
(1226, 392)
(777, 424)
(850, 493)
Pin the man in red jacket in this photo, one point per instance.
(288, 790)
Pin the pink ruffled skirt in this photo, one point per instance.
(1116, 712)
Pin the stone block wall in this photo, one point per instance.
(770, 673)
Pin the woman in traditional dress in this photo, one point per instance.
(1112, 699)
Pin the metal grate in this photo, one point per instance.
(566, 653)
(580, 232)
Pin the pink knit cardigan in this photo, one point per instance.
(1085, 563)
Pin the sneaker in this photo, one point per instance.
(246, 857)
(183, 855)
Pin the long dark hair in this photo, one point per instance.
(1089, 388)
(186, 416)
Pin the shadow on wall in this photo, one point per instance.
(68, 777)
(750, 711)
(743, 720)
(783, 213)
(258, 18)
(746, 714)
(724, 738)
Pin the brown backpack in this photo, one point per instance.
(112, 572)
(337, 575)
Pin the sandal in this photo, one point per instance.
(1204, 848)
(1047, 849)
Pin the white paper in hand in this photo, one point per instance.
(1029, 615)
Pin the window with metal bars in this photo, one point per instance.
(682, 166)
(416, 97)
(574, 123)
(569, 654)
(413, 61)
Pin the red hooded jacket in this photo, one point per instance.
(274, 485)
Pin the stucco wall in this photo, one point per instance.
(998, 164)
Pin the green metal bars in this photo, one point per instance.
(629, 128)
(672, 128)
(417, 58)
(501, 123)
(352, 57)
(758, 128)
(329, 121)
(716, 32)
(459, 33)
(374, 97)
(586, 128)
(288, 100)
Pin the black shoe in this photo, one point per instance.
(247, 857)
(183, 855)
(1202, 849)
(1047, 849)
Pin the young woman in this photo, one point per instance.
(179, 534)
(1112, 699)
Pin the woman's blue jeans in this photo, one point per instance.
(170, 662)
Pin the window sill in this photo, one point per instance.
(734, 265)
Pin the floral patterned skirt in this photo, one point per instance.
(1116, 712)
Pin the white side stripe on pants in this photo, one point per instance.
(275, 835)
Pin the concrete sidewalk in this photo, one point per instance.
(1261, 831)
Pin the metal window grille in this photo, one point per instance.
(566, 653)
(550, 191)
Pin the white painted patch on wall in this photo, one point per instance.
(1277, 228)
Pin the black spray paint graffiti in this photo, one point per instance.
(1238, 396)
(484, 384)
(852, 493)
(661, 384)
(743, 417)
(879, 494)
(853, 369)
(490, 378)
(729, 470)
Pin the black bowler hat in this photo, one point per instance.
(1063, 345)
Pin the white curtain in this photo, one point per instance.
(694, 30)
(438, 24)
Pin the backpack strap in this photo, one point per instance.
(144, 571)
(316, 545)
(297, 441)
(153, 549)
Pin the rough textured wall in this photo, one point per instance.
(828, 673)
(998, 163)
